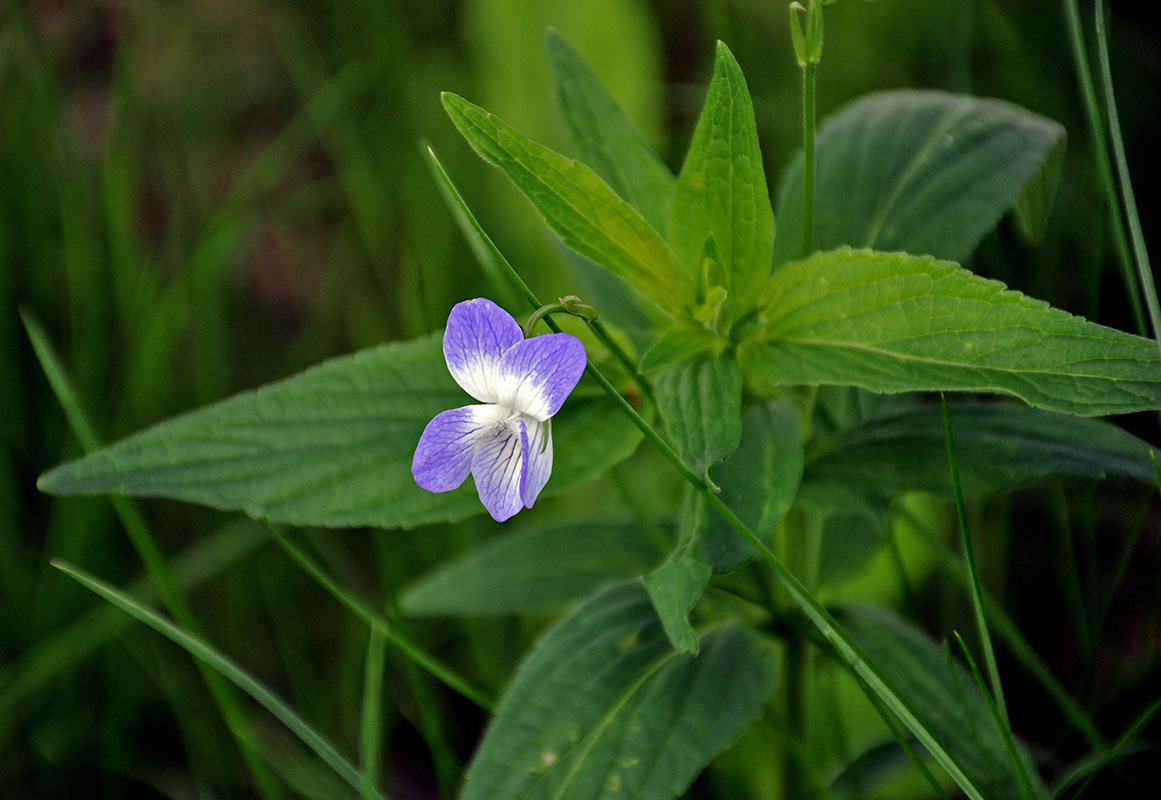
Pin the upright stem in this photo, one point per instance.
(806, 243)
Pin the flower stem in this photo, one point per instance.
(806, 243)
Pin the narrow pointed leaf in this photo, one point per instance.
(675, 587)
(943, 696)
(890, 322)
(721, 190)
(925, 172)
(604, 137)
(588, 216)
(604, 708)
(331, 446)
(701, 403)
(534, 570)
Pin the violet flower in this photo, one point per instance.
(506, 444)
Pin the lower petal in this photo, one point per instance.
(539, 459)
(500, 468)
(443, 456)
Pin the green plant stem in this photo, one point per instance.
(973, 573)
(1137, 238)
(1096, 131)
(151, 557)
(402, 643)
(806, 242)
(371, 717)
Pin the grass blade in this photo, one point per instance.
(371, 719)
(225, 667)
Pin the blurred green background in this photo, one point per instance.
(204, 196)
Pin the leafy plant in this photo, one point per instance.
(757, 333)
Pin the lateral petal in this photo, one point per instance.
(536, 375)
(539, 459)
(500, 468)
(443, 457)
(478, 334)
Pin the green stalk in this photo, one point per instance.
(371, 717)
(973, 573)
(1096, 131)
(405, 645)
(150, 555)
(806, 242)
(1141, 254)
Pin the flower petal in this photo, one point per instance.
(500, 466)
(536, 375)
(443, 456)
(539, 459)
(478, 334)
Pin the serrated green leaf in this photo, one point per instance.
(721, 191)
(890, 322)
(919, 171)
(942, 695)
(588, 216)
(675, 587)
(604, 136)
(682, 342)
(701, 403)
(604, 708)
(331, 446)
(758, 482)
(538, 569)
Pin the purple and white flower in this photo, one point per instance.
(506, 443)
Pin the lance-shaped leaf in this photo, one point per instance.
(920, 171)
(890, 322)
(943, 696)
(701, 403)
(721, 191)
(588, 216)
(604, 708)
(604, 136)
(534, 570)
(331, 446)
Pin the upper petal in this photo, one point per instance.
(539, 459)
(443, 456)
(500, 466)
(478, 334)
(536, 375)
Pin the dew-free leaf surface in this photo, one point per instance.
(919, 171)
(588, 216)
(890, 322)
(604, 708)
(701, 404)
(721, 191)
(331, 446)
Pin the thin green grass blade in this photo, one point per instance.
(1136, 237)
(143, 542)
(226, 668)
(1100, 148)
(371, 719)
(1001, 718)
(359, 609)
(973, 573)
(1087, 770)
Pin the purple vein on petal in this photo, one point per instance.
(499, 467)
(443, 456)
(478, 334)
(537, 375)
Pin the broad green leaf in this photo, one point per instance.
(890, 322)
(682, 342)
(604, 708)
(925, 172)
(604, 136)
(701, 402)
(721, 191)
(331, 446)
(942, 695)
(998, 446)
(588, 216)
(758, 482)
(534, 570)
(675, 587)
